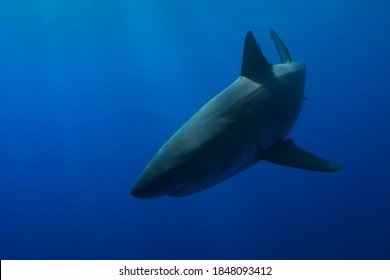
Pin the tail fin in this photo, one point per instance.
(283, 52)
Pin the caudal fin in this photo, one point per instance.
(283, 52)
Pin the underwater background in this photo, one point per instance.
(91, 89)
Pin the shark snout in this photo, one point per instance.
(146, 187)
(138, 191)
(153, 182)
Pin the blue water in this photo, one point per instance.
(90, 90)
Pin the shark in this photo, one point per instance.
(247, 122)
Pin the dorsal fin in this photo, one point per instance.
(283, 52)
(254, 64)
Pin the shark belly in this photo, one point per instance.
(233, 131)
(226, 136)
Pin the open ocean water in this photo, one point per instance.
(90, 90)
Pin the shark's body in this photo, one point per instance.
(245, 123)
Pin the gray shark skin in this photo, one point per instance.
(245, 123)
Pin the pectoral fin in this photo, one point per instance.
(286, 153)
